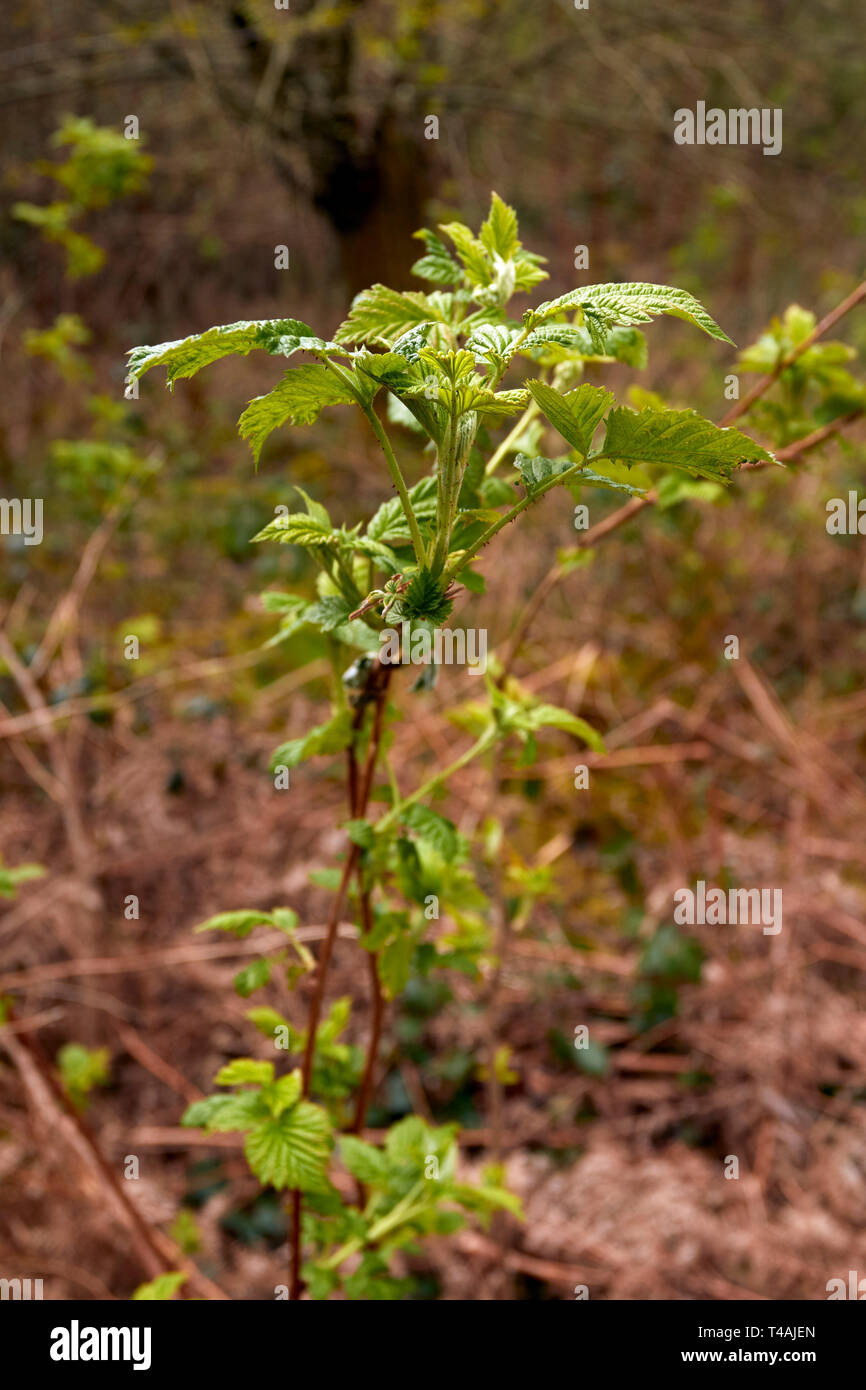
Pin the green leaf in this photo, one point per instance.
(679, 439)
(244, 1069)
(186, 356)
(436, 264)
(551, 716)
(394, 964)
(332, 737)
(160, 1289)
(267, 1021)
(577, 414)
(380, 315)
(240, 923)
(361, 833)
(328, 613)
(499, 232)
(538, 470)
(589, 477)
(492, 343)
(252, 977)
(292, 1149)
(22, 873)
(314, 509)
(472, 252)
(389, 522)
(222, 1114)
(285, 919)
(296, 400)
(428, 825)
(298, 528)
(570, 342)
(610, 305)
(283, 1093)
(364, 1161)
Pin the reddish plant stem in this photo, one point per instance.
(377, 1020)
(359, 795)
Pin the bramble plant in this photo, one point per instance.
(438, 359)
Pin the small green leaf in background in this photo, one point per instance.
(160, 1289)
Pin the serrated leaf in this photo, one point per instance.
(223, 1114)
(436, 264)
(537, 470)
(328, 613)
(577, 414)
(678, 439)
(186, 356)
(314, 509)
(298, 528)
(292, 1149)
(428, 825)
(282, 1094)
(381, 315)
(497, 405)
(364, 1161)
(574, 342)
(472, 251)
(611, 305)
(296, 400)
(492, 343)
(499, 232)
(244, 1070)
(389, 522)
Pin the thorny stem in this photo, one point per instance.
(359, 794)
(444, 499)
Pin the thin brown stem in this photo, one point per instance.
(359, 795)
(827, 322)
(378, 1017)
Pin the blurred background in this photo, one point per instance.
(260, 128)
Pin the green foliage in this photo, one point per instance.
(679, 439)
(813, 390)
(426, 599)
(81, 1069)
(102, 166)
(603, 307)
(186, 356)
(287, 1140)
(434, 363)
(22, 873)
(160, 1289)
